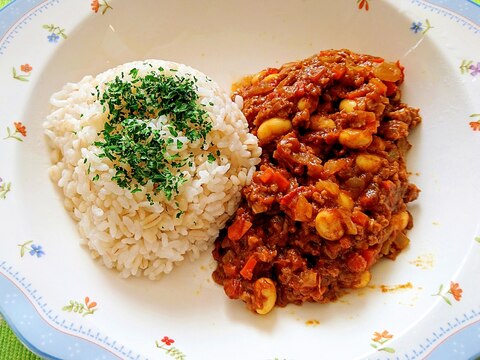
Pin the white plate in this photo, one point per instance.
(421, 310)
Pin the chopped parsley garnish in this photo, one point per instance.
(138, 150)
(211, 158)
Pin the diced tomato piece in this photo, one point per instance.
(238, 229)
(369, 255)
(230, 270)
(270, 176)
(369, 200)
(233, 288)
(247, 270)
(289, 198)
(271, 95)
(266, 175)
(362, 91)
(356, 263)
(391, 87)
(281, 181)
(377, 59)
(270, 71)
(299, 88)
(360, 218)
(316, 75)
(338, 72)
(388, 185)
(380, 87)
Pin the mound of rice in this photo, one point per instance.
(124, 229)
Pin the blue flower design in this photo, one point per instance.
(54, 32)
(475, 69)
(53, 38)
(416, 27)
(36, 250)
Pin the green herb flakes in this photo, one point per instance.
(134, 73)
(139, 152)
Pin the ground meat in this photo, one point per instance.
(328, 199)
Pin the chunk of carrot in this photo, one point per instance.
(238, 229)
(247, 270)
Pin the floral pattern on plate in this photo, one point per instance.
(84, 308)
(100, 6)
(363, 4)
(379, 339)
(475, 124)
(5, 187)
(55, 32)
(470, 67)
(454, 291)
(170, 350)
(419, 28)
(18, 132)
(31, 248)
(23, 74)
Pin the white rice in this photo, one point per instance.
(123, 229)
